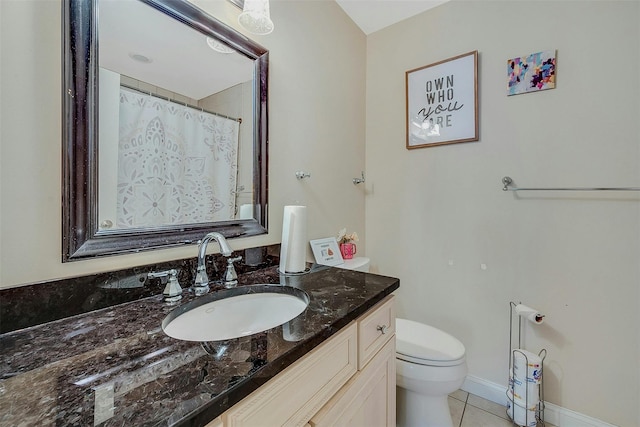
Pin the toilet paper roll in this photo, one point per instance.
(293, 249)
(522, 416)
(246, 211)
(524, 393)
(531, 314)
(527, 366)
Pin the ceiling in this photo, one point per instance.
(129, 30)
(139, 42)
(373, 15)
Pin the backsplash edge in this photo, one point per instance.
(34, 304)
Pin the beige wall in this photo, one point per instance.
(317, 103)
(434, 215)
(444, 214)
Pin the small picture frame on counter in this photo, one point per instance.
(326, 251)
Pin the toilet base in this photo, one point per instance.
(419, 410)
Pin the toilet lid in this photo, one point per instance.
(426, 345)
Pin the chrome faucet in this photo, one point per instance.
(201, 285)
(172, 292)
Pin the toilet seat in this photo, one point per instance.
(425, 345)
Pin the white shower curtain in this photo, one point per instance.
(176, 164)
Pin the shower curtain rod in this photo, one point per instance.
(507, 181)
(184, 104)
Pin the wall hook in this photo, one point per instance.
(357, 181)
(302, 175)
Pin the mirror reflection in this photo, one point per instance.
(174, 147)
(165, 127)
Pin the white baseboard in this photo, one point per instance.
(553, 414)
(485, 389)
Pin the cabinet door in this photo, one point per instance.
(368, 399)
(294, 395)
(375, 328)
(215, 423)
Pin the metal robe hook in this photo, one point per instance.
(506, 181)
(357, 181)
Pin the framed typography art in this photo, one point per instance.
(442, 102)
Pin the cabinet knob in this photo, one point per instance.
(382, 329)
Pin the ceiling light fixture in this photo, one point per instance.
(140, 58)
(255, 17)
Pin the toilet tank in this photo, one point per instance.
(357, 264)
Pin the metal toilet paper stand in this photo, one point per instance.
(539, 411)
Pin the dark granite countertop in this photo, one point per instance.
(115, 366)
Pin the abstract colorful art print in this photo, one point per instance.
(532, 73)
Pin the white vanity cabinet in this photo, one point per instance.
(349, 380)
(369, 397)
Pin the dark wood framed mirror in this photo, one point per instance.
(84, 233)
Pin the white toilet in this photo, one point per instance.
(430, 364)
(356, 264)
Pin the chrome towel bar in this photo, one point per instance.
(508, 182)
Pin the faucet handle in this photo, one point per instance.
(231, 277)
(172, 292)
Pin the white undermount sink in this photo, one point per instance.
(235, 313)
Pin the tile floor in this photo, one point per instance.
(468, 410)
